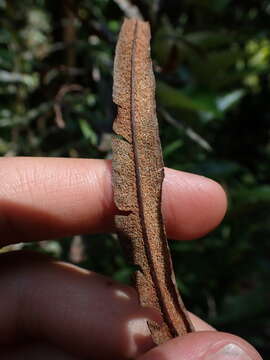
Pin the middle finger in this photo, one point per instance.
(79, 311)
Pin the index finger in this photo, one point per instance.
(43, 198)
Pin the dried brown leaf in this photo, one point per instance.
(137, 180)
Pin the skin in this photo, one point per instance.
(54, 310)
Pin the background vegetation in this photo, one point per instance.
(211, 59)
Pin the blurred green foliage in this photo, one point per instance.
(211, 59)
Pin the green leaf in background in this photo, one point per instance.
(31, 81)
(260, 195)
(212, 103)
(87, 131)
(227, 101)
(208, 40)
(172, 147)
(180, 99)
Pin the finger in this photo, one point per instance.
(204, 346)
(34, 350)
(43, 198)
(193, 205)
(80, 312)
(199, 324)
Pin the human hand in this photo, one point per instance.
(52, 310)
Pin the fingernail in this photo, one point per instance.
(228, 352)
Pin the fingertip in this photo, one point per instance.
(204, 345)
(193, 205)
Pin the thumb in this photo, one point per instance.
(204, 345)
